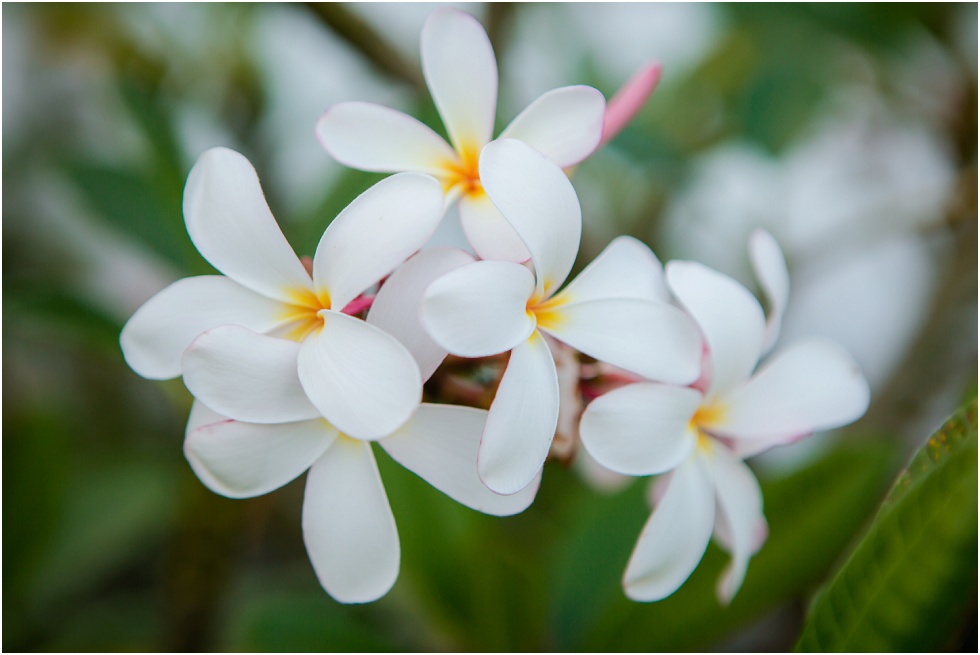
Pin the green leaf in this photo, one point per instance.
(812, 515)
(911, 580)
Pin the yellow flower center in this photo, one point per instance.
(301, 315)
(547, 314)
(706, 416)
(464, 173)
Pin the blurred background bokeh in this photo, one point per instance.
(848, 131)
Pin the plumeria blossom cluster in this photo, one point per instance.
(300, 365)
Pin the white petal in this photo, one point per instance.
(626, 268)
(641, 429)
(486, 229)
(675, 537)
(348, 526)
(564, 124)
(231, 226)
(770, 268)
(814, 385)
(398, 303)
(247, 376)
(370, 137)
(360, 378)
(461, 73)
(241, 460)
(479, 309)
(649, 338)
(155, 337)
(440, 444)
(379, 230)
(522, 419)
(739, 515)
(201, 415)
(730, 318)
(536, 198)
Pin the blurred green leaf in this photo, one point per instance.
(114, 511)
(909, 583)
(284, 621)
(133, 204)
(812, 515)
(69, 313)
(121, 622)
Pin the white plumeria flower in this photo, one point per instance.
(460, 70)
(701, 433)
(270, 343)
(614, 311)
(348, 526)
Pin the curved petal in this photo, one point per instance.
(626, 268)
(486, 229)
(564, 124)
(652, 339)
(155, 337)
(361, 378)
(814, 385)
(675, 537)
(740, 525)
(629, 99)
(770, 268)
(641, 429)
(479, 309)
(247, 376)
(440, 444)
(201, 415)
(241, 460)
(536, 198)
(397, 305)
(370, 137)
(522, 419)
(729, 316)
(231, 226)
(348, 527)
(379, 230)
(461, 73)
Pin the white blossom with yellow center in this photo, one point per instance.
(460, 70)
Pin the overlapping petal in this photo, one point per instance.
(479, 309)
(155, 337)
(536, 198)
(247, 376)
(231, 226)
(461, 73)
(814, 385)
(770, 268)
(675, 537)
(563, 124)
(522, 419)
(379, 230)
(641, 429)
(741, 525)
(626, 268)
(372, 137)
(241, 460)
(486, 229)
(730, 318)
(361, 378)
(397, 306)
(652, 339)
(348, 527)
(440, 444)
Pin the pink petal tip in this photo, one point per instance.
(629, 100)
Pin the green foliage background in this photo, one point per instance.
(110, 542)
